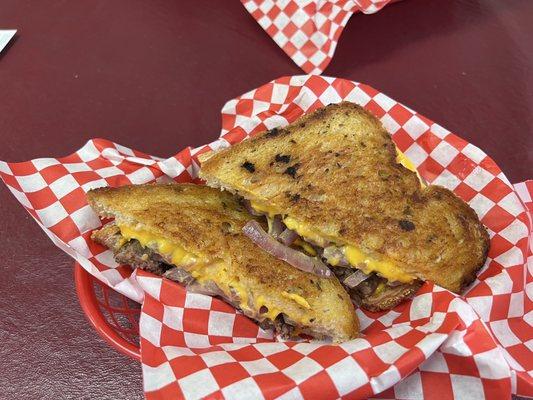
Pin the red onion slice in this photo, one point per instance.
(255, 232)
(287, 237)
(355, 279)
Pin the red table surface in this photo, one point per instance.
(153, 75)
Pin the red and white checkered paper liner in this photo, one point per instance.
(438, 345)
(308, 30)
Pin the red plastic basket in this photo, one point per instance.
(113, 315)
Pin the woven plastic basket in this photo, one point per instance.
(113, 316)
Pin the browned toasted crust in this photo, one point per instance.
(208, 222)
(335, 169)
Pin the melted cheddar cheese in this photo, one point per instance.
(217, 272)
(263, 208)
(271, 313)
(177, 254)
(402, 159)
(204, 270)
(297, 298)
(304, 230)
(201, 268)
(334, 261)
(367, 264)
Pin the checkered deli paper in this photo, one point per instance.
(308, 30)
(437, 346)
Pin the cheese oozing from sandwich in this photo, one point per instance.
(177, 254)
(354, 255)
(204, 269)
(401, 158)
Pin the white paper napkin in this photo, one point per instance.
(5, 37)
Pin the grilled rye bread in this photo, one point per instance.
(335, 177)
(192, 234)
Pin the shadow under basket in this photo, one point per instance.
(113, 315)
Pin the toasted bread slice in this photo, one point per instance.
(335, 177)
(199, 230)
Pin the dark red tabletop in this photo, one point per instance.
(153, 75)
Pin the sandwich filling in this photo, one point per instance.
(140, 248)
(372, 281)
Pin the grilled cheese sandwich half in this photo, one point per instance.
(355, 256)
(336, 178)
(193, 234)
